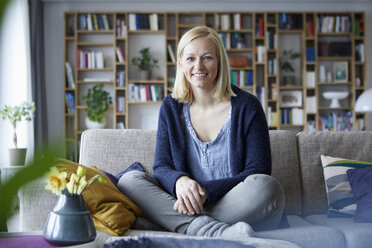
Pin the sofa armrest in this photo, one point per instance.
(35, 203)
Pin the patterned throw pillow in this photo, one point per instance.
(341, 202)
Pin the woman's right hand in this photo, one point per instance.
(190, 196)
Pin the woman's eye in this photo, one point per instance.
(208, 58)
(190, 59)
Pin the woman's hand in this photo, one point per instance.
(190, 196)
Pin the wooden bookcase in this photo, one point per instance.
(260, 36)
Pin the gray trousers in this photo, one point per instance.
(258, 201)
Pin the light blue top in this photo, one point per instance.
(207, 160)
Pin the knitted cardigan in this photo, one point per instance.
(250, 153)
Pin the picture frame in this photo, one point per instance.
(290, 98)
(340, 72)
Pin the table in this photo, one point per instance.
(32, 240)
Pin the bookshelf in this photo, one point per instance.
(254, 42)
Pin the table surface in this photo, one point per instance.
(33, 239)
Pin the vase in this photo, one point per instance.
(93, 124)
(17, 156)
(70, 222)
(145, 75)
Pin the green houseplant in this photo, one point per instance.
(15, 114)
(285, 62)
(98, 101)
(145, 63)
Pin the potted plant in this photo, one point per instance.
(285, 63)
(145, 63)
(98, 101)
(16, 114)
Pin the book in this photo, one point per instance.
(105, 22)
(310, 79)
(69, 76)
(119, 55)
(99, 60)
(132, 22)
(171, 53)
(70, 102)
(120, 125)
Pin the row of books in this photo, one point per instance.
(90, 59)
(70, 103)
(260, 94)
(260, 27)
(334, 23)
(311, 104)
(359, 28)
(339, 48)
(310, 79)
(310, 29)
(260, 55)
(143, 22)
(93, 22)
(341, 121)
(290, 21)
(271, 39)
(242, 77)
(292, 116)
(232, 40)
(120, 79)
(271, 66)
(310, 54)
(229, 21)
(145, 93)
(121, 28)
(273, 92)
(272, 117)
(120, 104)
(120, 55)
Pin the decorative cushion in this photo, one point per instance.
(111, 210)
(341, 201)
(361, 184)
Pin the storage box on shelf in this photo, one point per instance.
(329, 43)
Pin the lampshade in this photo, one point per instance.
(364, 102)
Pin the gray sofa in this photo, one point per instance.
(296, 164)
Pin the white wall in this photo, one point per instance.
(53, 26)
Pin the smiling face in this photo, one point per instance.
(199, 63)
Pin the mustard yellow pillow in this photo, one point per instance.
(112, 211)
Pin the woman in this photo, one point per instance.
(212, 159)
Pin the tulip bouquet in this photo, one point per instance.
(57, 181)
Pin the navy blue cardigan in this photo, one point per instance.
(249, 138)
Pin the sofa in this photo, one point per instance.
(296, 164)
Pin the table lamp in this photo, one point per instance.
(364, 102)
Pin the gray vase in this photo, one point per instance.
(17, 156)
(70, 222)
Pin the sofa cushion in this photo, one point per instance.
(340, 197)
(112, 211)
(114, 150)
(306, 235)
(357, 235)
(361, 184)
(351, 145)
(285, 168)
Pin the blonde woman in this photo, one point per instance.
(212, 162)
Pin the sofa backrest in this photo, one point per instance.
(349, 145)
(115, 150)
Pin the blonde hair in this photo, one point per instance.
(182, 89)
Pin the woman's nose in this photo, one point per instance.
(198, 63)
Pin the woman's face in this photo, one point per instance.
(199, 63)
